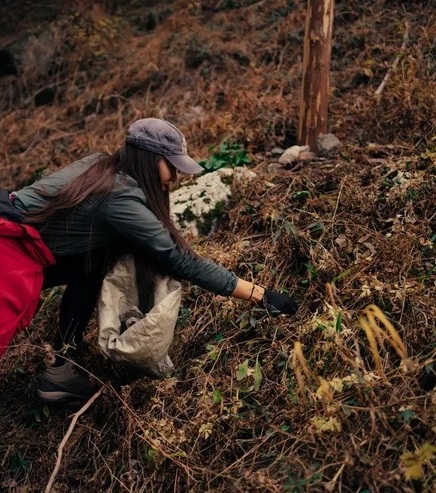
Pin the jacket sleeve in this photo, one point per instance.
(129, 215)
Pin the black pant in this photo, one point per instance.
(82, 275)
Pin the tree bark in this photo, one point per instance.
(316, 72)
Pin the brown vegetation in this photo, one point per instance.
(324, 401)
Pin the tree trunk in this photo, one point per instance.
(316, 72)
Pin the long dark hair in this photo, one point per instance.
(99, 180)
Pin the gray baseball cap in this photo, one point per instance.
(159, 136)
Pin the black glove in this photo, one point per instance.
(278, 304)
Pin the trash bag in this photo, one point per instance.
(128, 336)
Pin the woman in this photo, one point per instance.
(101, 206)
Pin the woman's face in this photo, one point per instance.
(168, 174)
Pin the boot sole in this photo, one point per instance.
(59, 396)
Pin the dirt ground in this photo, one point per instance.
(339, 398)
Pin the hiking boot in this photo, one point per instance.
(64, 383)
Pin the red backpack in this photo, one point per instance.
(23, 258)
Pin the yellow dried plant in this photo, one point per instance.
(300, 366)
(377, 335)
(414, 462)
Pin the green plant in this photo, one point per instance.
(209, 219)
(228, 155)
(183, 317)
(294, 484)
(301, 195)
(250, 318)
(281, 225)
(213, 351)
(149, 454)
(37, 415)
(18, 462)
(311, 274)
(245, 370)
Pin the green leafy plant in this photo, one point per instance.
(245, 370)
(311, 274)
(183, 318)
(294, 484)
(301, 195)
(18, 462)
(228, 155)
(281, 225)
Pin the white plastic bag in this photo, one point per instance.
(146, 340)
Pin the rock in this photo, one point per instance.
(308, 156)
(196, 207)
(328, 145)
(291, 155)
(275, 167)
(277, 151)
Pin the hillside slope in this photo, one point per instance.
(318, 402)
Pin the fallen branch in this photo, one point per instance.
(67, 436)
(396, 61)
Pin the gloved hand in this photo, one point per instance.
(278, 304)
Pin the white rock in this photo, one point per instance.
(194, 206)
(290, 155)
(304, 149)
(277, 151)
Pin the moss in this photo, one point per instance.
(187, 215)
(227, 180)
(207, 222)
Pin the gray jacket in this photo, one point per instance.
(121, 215)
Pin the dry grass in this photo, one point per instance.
(219, 73)
(319, 402)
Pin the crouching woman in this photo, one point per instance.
(96, 209)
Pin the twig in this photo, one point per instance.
(67, 436)
(396, 61)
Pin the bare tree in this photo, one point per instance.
(316, 71)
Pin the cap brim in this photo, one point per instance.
(185, 164)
